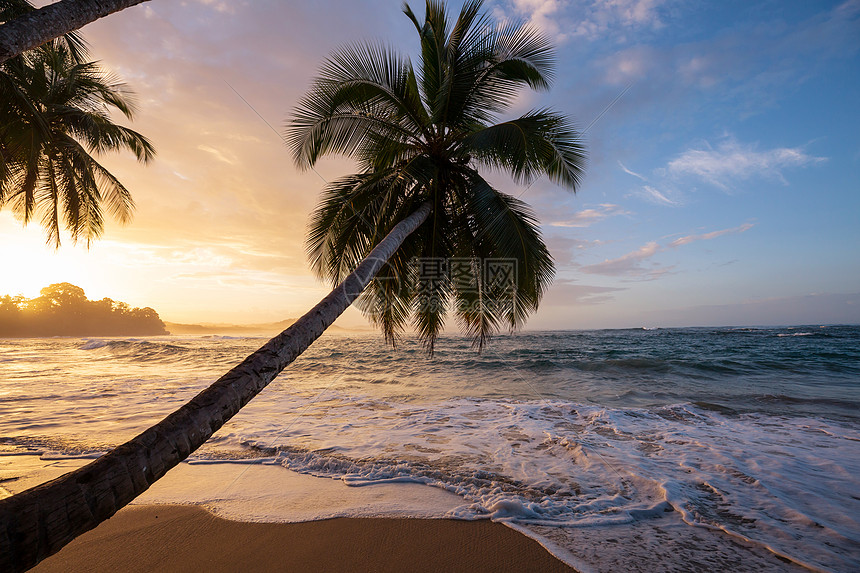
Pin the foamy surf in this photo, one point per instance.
(769, 481)
(746, 438)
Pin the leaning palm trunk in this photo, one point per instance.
(38, 522)
(52, 21)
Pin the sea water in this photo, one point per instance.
(750, 432)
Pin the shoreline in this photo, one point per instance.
(213, 515)
(228, 501)
(189, 538)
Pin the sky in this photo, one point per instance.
(721, 189)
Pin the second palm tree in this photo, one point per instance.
(420, 136)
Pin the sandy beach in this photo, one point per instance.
(258, 517)
(262, 525)
(186, 538)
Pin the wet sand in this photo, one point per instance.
(187, 538)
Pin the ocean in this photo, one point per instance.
(746, 436)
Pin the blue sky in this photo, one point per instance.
(723, 184)
(722, 188)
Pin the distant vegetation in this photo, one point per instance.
(64, 310)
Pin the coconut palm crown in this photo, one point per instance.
(55, 118)
(420, 136)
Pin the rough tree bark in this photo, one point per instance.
(43, 25)
(38, 522)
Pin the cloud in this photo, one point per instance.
(602, 16)
(732, 161)
(565, 292)
(729, 72)
(629, 172)
(590, 19)
(655, 196)
(633, 64)
(541, 14)
(221, 155)
(712, 235)
(588, 217)
(564, 249)
(648, 192)
(224, 7)
(633, 264)
(630, 265)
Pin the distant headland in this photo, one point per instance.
(64, 310)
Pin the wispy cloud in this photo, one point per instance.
(712, 235)
(723, 166)
(748, 67)
(647, 192)
(633, 64)
(655, 196)
(588, 217)
(223, 156)
(219, 6)
(636, 265)
(589, 19)
(565, 249)
(633, 173)
(564, 292)
(732, 161)
(630, 265)
(601, 16)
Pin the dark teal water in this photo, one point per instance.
(799, 370)
(795, 370)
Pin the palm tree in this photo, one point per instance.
(420, 136)
(430, 173)
(12, 95)
(37, 27)
(57, 117)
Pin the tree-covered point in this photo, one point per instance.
(64, 310)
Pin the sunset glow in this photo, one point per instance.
(721, 187)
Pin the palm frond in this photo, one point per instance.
(58, 117)
(362, 90)
(496, 65)
(540, 142)
(508, 228)
(102, 135)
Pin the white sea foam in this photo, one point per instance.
(785, 482)
(53, 456)
(93, 344)
(769, 480)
